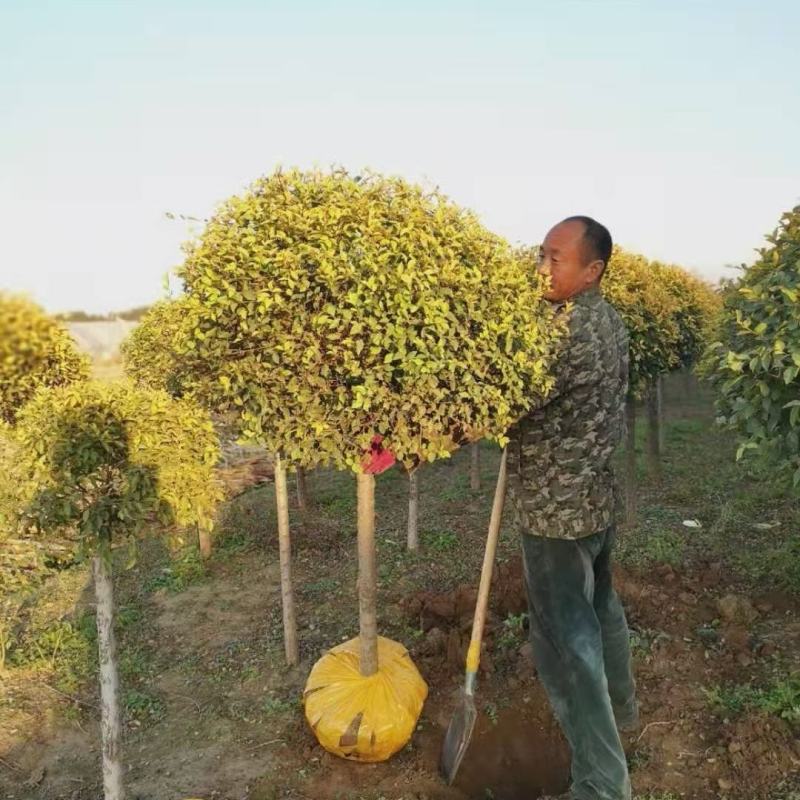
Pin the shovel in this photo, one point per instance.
(462, 723)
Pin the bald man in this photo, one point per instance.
(562, 487)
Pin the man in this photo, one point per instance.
(562, 487)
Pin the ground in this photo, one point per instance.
(211, 711)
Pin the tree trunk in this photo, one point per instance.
(630, 462)
(475, 467)
(109, 679)
(204, 540)
(413, 511)
(302, 490)
(285, 552)
(660, 400)
(653, 433)
(367, 576)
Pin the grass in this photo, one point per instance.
(643, 640)
(142, 707)
(513, 632)
(278, 706)
(440, 541)
(658, 796)
(322, 587)
(182, 571)
(779, 697)
(748, 522)
(64, 649)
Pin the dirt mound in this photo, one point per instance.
(765, 741)
(456, 608)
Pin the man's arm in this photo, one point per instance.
(576, 363)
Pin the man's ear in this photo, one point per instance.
(595, 270)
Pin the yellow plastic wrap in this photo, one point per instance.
(364, 719)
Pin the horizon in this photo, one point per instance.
(671, 125)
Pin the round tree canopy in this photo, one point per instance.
(649, 311)
(151, 353)
(107, 458)
(697, 307)
(35, 350)
(335, 308)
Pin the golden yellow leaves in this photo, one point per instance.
(381, 308)
(35, 350)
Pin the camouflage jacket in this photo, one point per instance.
(559, 472)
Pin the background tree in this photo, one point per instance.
(152, 353)
(695, 309)
(154, 356)
(649, 312)
(35, 350)
(106, 461)
(754, 364)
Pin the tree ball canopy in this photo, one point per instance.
(35, 350)
(755, 363)
(152, 352)
(333, 308)
(697, 308)
(649, 310)
(106, 458)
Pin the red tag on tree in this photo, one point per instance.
(378, 459)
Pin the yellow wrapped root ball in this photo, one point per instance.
(364, 719)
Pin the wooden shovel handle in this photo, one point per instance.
(478, 623)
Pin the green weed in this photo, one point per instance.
(134, 664)
(440, 541)
(185, 569)
(323, 586)
(780, 697)
(66, 648)
(458, 490)
(643, 640)
(657, 796)
(142, 707)
(513, 631)
(277, 706)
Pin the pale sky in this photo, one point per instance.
(677, 124)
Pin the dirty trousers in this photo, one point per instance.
(581, 650)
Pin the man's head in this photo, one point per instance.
(574, 254)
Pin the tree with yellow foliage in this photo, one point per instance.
(35, 350)
(338, 311)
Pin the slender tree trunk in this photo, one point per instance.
(367, 576)
(302, 490)
(285, 551)
(653, 433)
(413, 510)
(204, 540)
(630, 462)
(113, 788)
(475, 467)
(661, 418)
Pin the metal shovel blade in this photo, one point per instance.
(457, 739)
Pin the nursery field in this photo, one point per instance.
(212, 711)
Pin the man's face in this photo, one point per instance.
(562, 257)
